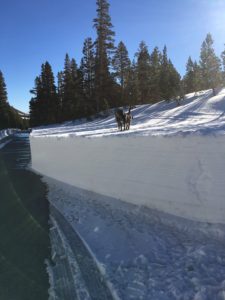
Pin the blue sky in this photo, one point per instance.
(35, 31)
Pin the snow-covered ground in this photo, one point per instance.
(172, 159)
(199, 113)
(141, 254)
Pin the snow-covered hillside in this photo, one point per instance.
(199, 113)
(172, 159)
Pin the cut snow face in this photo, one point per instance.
(200, 112)
(172, 159)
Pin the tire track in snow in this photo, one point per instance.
(93, 279)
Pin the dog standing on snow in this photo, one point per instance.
(123, 119)
(120, 119)
(128, 118)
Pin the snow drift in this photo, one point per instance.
(173, 158)
(5, 133)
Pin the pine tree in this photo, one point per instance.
(79, 103)
(192, 79)
(9, 117)
(3, 91)
(35, 103)
(4, 106)
(189, 76)
(121, 64)
(164, 76)
(50, 98)
(155, 68)
(87, 68)
(210, 65)
(44, 106)
(67, 91)
(143, 73)
(169, 78)
(174, 81)
(104, 45)
(198, 80)
(131, 89)
(60, 92)
(75, 93)
(223, 65)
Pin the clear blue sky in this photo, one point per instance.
(35, 31)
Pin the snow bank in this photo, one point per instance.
(4, 134)
(172, 158)
(180, 175)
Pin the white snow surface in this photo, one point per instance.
(172, 159)
(169, 168)
(200, 113)
(144, 254)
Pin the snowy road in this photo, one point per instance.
(24, 243)
(75, 262)
(110, 184)
(142, 254)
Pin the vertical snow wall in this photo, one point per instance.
(184, 176)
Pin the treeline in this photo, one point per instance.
(9, 118)
(208, 73)
(106, 77)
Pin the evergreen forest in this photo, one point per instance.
(107, 77)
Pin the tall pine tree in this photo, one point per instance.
(155, 69)
(87, 69)
(4, 106)
(210, 65)
(44, 106)
(60, 90)
(67, 90)
(35, 103)
(104, 45)
(169, 78)
(131, 89)
(223, 65)
(50, 98)
(121, 64)
(164, 76)
(143, 73)
(192, 79)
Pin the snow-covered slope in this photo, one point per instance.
(172, 159)
(199, 112)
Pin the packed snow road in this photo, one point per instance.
(74, 264)
(24, 243)
(140, 253)
(108, 185)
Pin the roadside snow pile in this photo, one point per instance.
(4, 134)
(172, 159)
